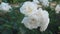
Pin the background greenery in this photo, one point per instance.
(10, 23)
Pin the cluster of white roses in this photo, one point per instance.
(34, 16)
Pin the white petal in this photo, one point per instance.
(44, 24)
(45, 21)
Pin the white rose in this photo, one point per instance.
(36, 1)
(28, 8)
(57, 9)
(5, 6)
(44, 2)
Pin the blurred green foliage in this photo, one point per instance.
(14, 1)
(10, 23)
